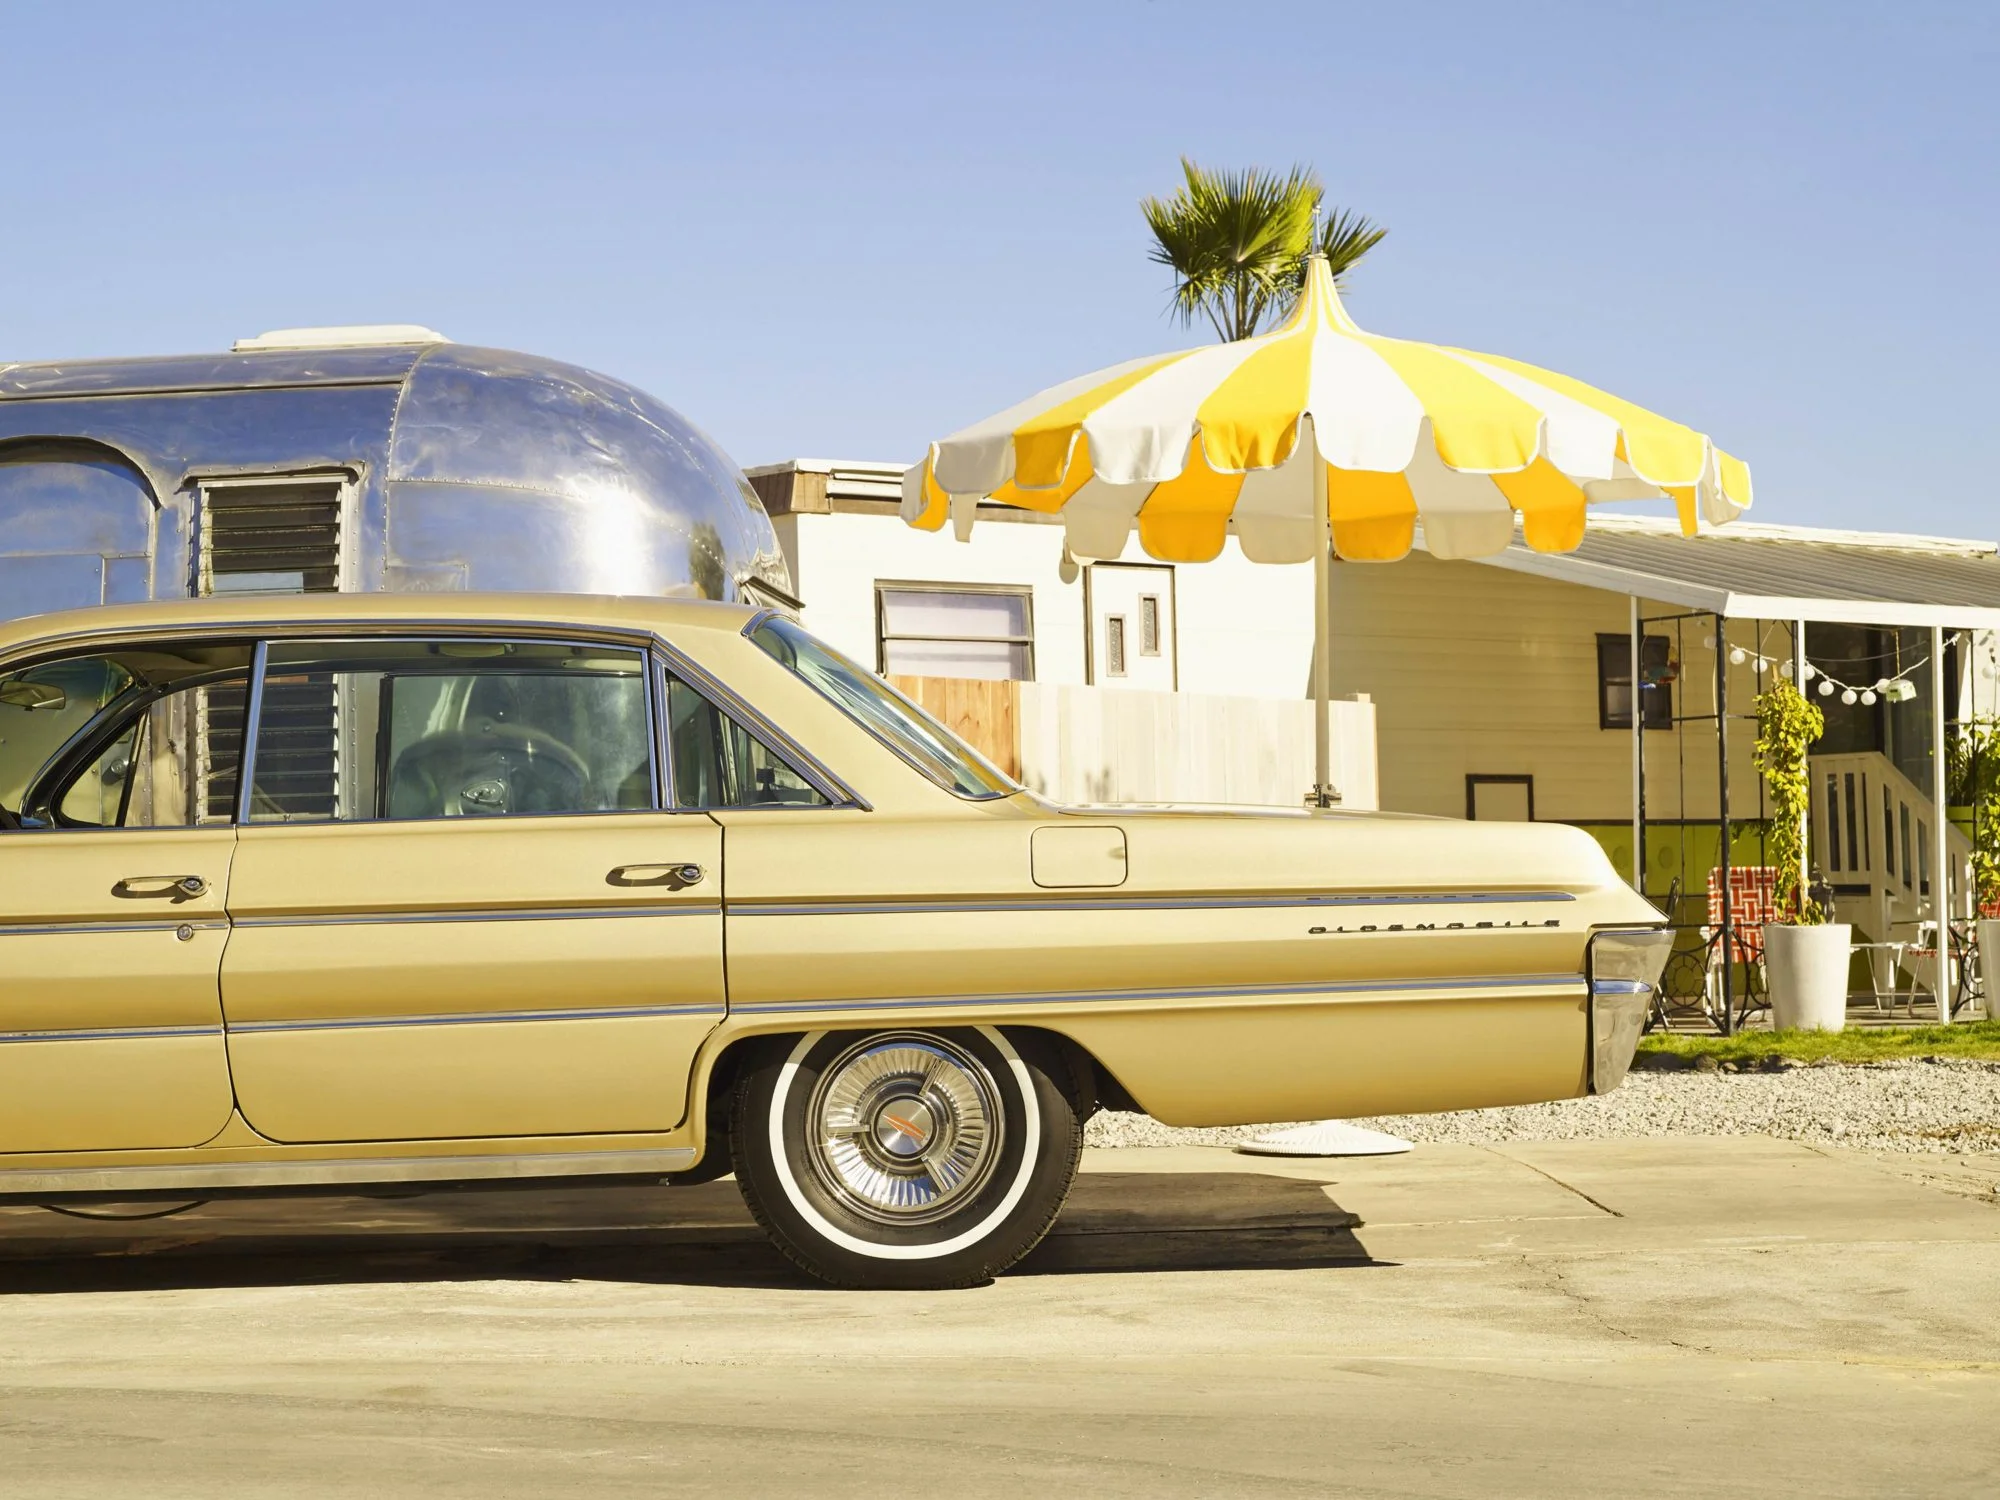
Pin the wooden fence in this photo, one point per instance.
(1078, 744)
(986, 715)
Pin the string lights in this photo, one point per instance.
(1900, 688)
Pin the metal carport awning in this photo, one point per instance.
(1800, 576)
(1751, 572)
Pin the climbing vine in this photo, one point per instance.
(1787, 726)
(1974, 772)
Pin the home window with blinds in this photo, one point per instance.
(934, 630)
(273, 537)
(1614, 682)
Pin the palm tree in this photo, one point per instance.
(1237, 243)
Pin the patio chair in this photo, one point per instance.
(1753, 901)
(1657, 1017)
(1962, 975)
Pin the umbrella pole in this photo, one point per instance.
(1323, 794)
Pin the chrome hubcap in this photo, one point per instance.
(904, 1128)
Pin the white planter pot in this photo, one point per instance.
(1989, 965)
(1807, 970)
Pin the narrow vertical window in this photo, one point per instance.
(1114, 645)
(1149, 624)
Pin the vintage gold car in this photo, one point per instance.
(340, 891)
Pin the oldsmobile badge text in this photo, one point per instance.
(1429, 927)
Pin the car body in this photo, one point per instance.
(525, 887)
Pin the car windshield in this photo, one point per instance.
(883, 712)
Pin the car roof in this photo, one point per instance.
(288, 612)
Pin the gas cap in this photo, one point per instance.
(1066, 858)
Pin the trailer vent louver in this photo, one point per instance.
(271, 539)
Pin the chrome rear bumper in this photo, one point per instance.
(1624, 969)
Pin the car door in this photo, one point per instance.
(831, 906)
(119, 768)
(459, 908)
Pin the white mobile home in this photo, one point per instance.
(1498, 688)
(1095, 681)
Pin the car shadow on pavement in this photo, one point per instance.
(1137, 1221)
(1197, 1221)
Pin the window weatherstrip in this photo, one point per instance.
(659, 738)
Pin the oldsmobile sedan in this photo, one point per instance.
(341, 891)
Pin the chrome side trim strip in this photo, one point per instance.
(102, 928)
(1138, 903)
(1620, 987)
(525, 914)
(1391, 990)
(482, 1017)
(107, 1033)
(278, 1174)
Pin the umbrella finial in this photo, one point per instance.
(1319, 299)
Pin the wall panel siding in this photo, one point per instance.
(1478, 671)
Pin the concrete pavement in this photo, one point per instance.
(1739, 1316)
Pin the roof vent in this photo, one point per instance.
(353, 336)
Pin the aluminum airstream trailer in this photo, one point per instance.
(361, 460)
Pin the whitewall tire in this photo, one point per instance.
(908, 1158)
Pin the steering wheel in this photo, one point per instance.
(487, 770)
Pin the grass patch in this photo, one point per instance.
(1975, 1039)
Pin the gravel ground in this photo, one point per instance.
(1946, 1105)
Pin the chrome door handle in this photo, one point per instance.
(675, 877)
(171, 887)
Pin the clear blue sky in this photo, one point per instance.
(841, 230)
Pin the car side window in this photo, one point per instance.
(719, 763)
(363, 730)
(173, 765)
(42, 708)
(144, 736)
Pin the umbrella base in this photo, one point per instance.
(1326, 1138)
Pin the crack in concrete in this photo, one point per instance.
(1565, 1186)
(1556, 1281)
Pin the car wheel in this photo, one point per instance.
(907, 1158)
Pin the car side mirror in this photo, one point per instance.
(18, 692)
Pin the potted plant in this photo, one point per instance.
(1975, 783)
(1805, 955)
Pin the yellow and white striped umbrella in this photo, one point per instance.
(1237, 437)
